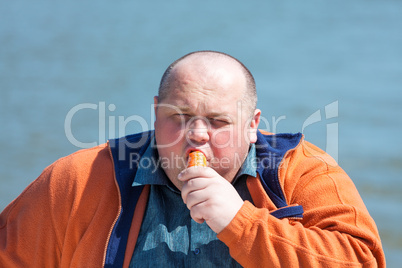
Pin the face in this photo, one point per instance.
(203, 111)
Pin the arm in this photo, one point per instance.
(62, 219)
(336, 231)
(27, 230)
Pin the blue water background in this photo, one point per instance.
(305, 55)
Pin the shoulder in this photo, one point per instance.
(307, 170)
(73, 176)
(309, 157)
(65, 180)
(81, 163)
(293, 146)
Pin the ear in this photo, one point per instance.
(155, 103)
(155, 107)
(255, 121)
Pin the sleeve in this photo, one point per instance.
(27, 228)
(62, 219)
(336, 229)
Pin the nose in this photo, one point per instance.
(197, 132)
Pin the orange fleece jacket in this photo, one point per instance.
(65, 217)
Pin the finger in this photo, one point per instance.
(193, 172)
(197, 197)
(197, 220)
(196, 215)
(192, 185)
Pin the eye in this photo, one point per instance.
(219, 122)
(180, 116)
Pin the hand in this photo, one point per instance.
(209, 197)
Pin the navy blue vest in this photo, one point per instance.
(126, 151)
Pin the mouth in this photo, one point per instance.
(189, 150)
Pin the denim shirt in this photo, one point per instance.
(168, 236)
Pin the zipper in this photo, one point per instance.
(119, 211)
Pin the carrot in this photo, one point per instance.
(196, 158)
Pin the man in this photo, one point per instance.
(264, 200)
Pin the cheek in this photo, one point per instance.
(229, 148)
(167, 133)
(224, 146)
(228, 137)
(223, 138)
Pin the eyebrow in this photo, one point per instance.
(186, 109)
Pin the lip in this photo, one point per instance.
(189, 150)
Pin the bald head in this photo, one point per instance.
(204, 61)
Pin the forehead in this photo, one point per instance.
(209, 76)
(198, 103)
(216, 86)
